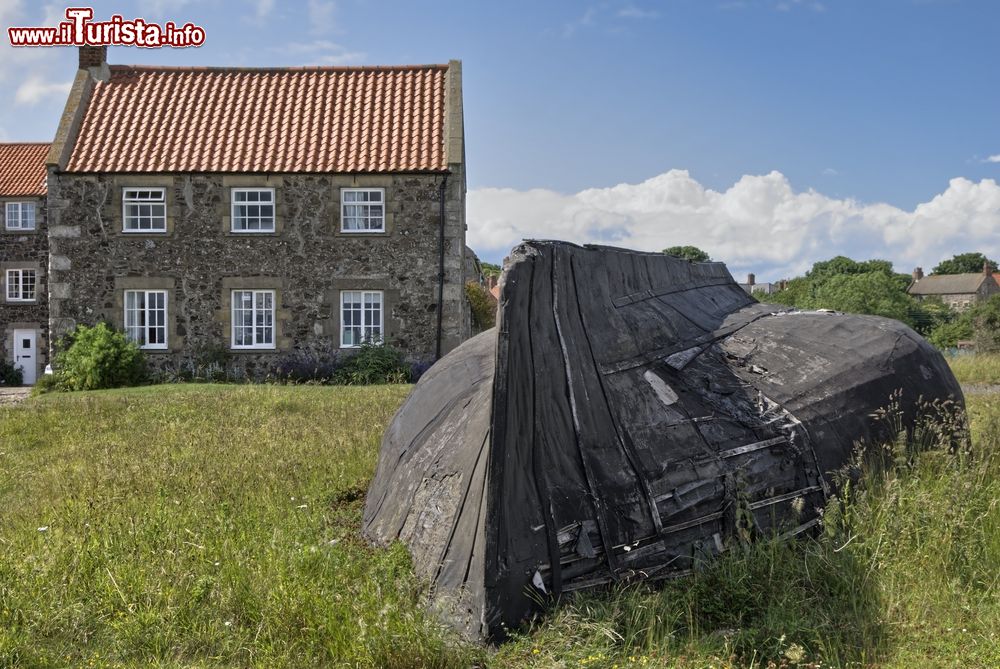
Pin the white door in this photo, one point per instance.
(26, 354)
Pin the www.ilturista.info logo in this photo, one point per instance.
(79, 30)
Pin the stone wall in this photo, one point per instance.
(307, 261)
(22, 249)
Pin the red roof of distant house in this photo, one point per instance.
(22, 170)
(317, 119)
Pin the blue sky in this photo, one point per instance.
(820, 127)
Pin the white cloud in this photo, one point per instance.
(830, 172)
(633, 12)
(759, 224)
(993, 159)
(158, 9)
(789, 5)
(324, 52)
(321, 16)
(587, 19)
(264, 8)
(35, 89)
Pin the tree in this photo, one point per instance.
(873, 293)
(986, 325)
(489, 269)
(692, 253)
(964, 263)
(843, 284)
(483, 306)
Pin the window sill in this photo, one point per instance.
(19, 231)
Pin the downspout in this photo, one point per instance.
(440, 309)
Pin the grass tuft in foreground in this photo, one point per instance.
(217, 526)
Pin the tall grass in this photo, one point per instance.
(216, 526)
(204, 526)
(980, 368)
(906, 574)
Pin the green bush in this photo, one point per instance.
(484, 308)
(9, 374)
(373, 363)
(91, 358)
(46, 383)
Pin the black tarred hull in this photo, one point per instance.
(632, 401)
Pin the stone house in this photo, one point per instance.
(261, 213)
(958, 291)
(24, 310)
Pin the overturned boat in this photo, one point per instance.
(631, 416)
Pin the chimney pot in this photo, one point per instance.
(93, 56)
(751, 279)
(918, 273)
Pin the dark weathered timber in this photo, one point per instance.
(630, 417)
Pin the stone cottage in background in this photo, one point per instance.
(958, 291)
(24, 263)
(263, 212)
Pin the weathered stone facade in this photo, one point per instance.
(24, 249)
(307, 260)
(963, 301)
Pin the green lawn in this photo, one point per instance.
(218, 526)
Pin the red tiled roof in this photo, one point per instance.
(22, 170)
(320, 119)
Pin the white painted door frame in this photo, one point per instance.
(26, 354)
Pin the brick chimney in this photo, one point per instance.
(987, 270)
(93, 56)
(751, 279)
(918, 274)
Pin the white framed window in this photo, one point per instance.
(362, 209)
(253, 319)
(20, 216)
(21, 285)
(144, 210)
(252, 210)
(146, 318)
(360, 317)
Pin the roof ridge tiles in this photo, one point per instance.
(291, 68)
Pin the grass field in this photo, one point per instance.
(216, 526)
(978, 369)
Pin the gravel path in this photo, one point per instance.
(980, 388)
(13, 395)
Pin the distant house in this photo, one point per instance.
(24, 253)
(958, 291)
(765, 288)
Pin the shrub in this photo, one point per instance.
(98, 357)
(484, 308)
(46, 383)
(373, 363)
(9, 374)
(303, 367)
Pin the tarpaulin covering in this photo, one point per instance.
(630, 416)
